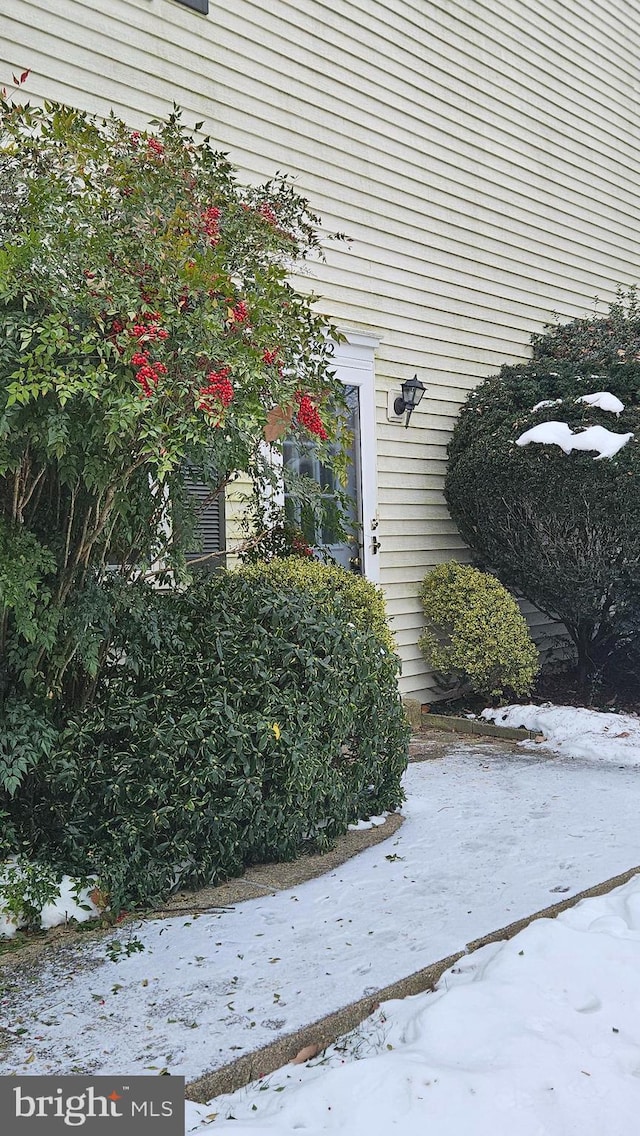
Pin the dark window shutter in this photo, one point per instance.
(210, 529)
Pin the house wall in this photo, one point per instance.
(481, 154)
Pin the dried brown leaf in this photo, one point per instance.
(278, 422)
(305, 1054)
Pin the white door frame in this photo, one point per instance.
(354, 366)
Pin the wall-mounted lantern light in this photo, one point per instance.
(412, 392)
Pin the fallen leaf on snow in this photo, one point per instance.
(305, 1054)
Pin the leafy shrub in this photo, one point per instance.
(475, 631)
(24, 890)
(26, 737)
(599, 341)
(37, 895)
(564, 529)
(249, 717)
(147, 326)
(362, 603)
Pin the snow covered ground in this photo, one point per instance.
(576, 732)
(579, 733)
(491, 835)
(538, 1036)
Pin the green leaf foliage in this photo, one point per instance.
(25, 889)
(249, 717)
(26, 738)
(363, 603)
(147, 326)
(563, 529)
(475, 632)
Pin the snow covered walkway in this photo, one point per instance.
(490, 836)
(537, 1036)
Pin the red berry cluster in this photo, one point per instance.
(218, 393)
(153, 145)
(272, 359)
(308, 416)
(117, 327)
(89, 278)
(240, 313)
(211, 224)
(148, 328)
(267, 213)
(147, 372)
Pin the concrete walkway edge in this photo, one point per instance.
(477, 727)
(327, 1030)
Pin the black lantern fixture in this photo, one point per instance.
(412, 392)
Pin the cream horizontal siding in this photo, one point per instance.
(238, 500)
(481, 154)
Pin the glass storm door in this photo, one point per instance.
(303, 458)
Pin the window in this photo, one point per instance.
(197, 5)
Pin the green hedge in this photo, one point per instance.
(252, 716)
(361, 602)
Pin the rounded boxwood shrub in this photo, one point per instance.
(246, 718)
(475, 632)
(562, 528)
(361, 601)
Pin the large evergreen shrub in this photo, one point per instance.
(563, 528)
(148, 327)
(247, 718)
